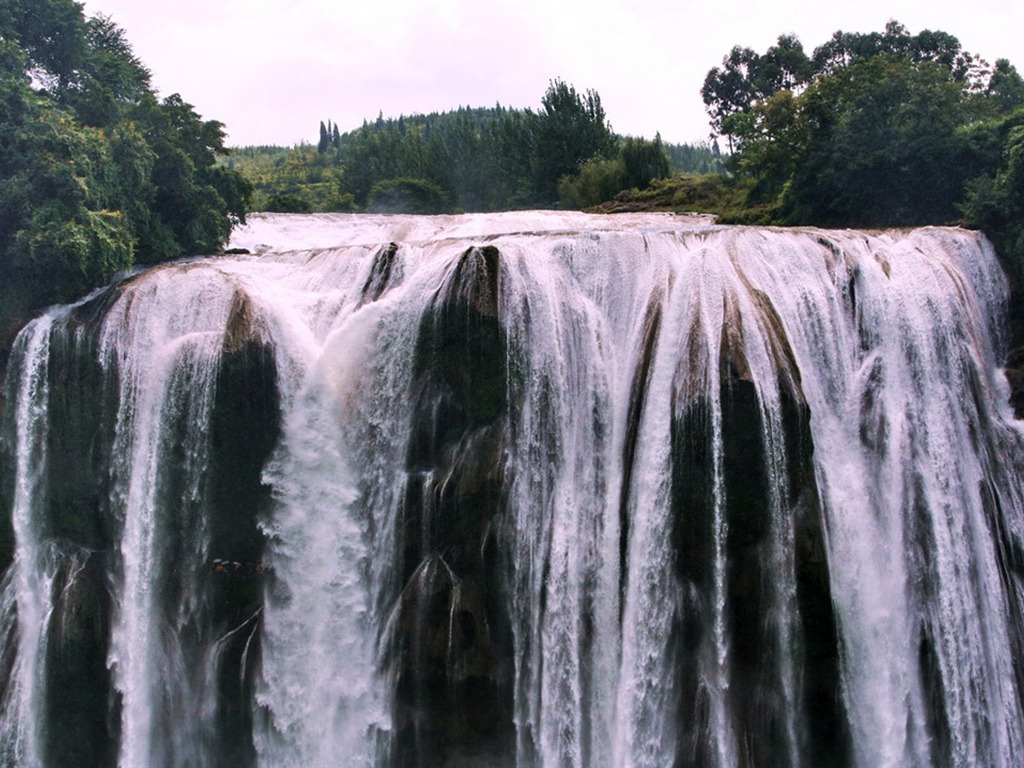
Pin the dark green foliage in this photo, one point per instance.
(845, 49)
(724, 196)
(50, 32)
(286, 203)
(995, 200)
(695, 158)
(1006, 87)
(407, 196)
(58, 235)
(597, 180)
(109, 76)
(325, 139)
(96, 173)
(881, 146)
(636, 165)
(746, 77)
(291, 180)
(879, 129)
(572, 129)
(643, 161)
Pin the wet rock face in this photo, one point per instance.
(245, 427)
(449, 645)
(755, 550)
(716, 546)
(81, 713)
(1015, 377)
(83, 408)
(384, 269)
(7, 472)
(82, 707)
(80, 527)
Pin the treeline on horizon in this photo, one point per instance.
(471, 159)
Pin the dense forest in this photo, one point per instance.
(470, 159)
(871, 130)
(97, 174)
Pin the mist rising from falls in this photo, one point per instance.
(525, 489)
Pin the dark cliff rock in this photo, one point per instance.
(79, 529)
(756, 695)
(1015, 377)
(245, 427)
(448, 640)
(82, 714)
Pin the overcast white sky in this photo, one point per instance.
(271, 70)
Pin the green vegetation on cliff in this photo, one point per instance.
(879, 129)
(96, 173)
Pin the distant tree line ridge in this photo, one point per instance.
(470, 159)
(97, 174)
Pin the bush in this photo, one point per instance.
(287, 203)
(598, 180)
(404, 195)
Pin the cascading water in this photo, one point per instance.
(525, 489)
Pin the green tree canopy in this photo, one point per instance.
(407, 196)
(995, 198)
(880, 144)
(870, 130)
(483, 159)
(571, 130)
(747, 79)
(96, 172)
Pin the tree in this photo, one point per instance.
(995, 198)
(845, 49)
(747, 78)
(417, 196)
(881, 145)
(325, 139)
(190, 195)
(60, 233)
(50, 33)
(1005, 87)
(571, 130)
(637, 163)
(643, 161)
(512, 140)
(772, 137)
(871, 131)
(599, 179)
(96, 173)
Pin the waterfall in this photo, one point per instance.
(529, 489)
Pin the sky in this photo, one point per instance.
(271, 70)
